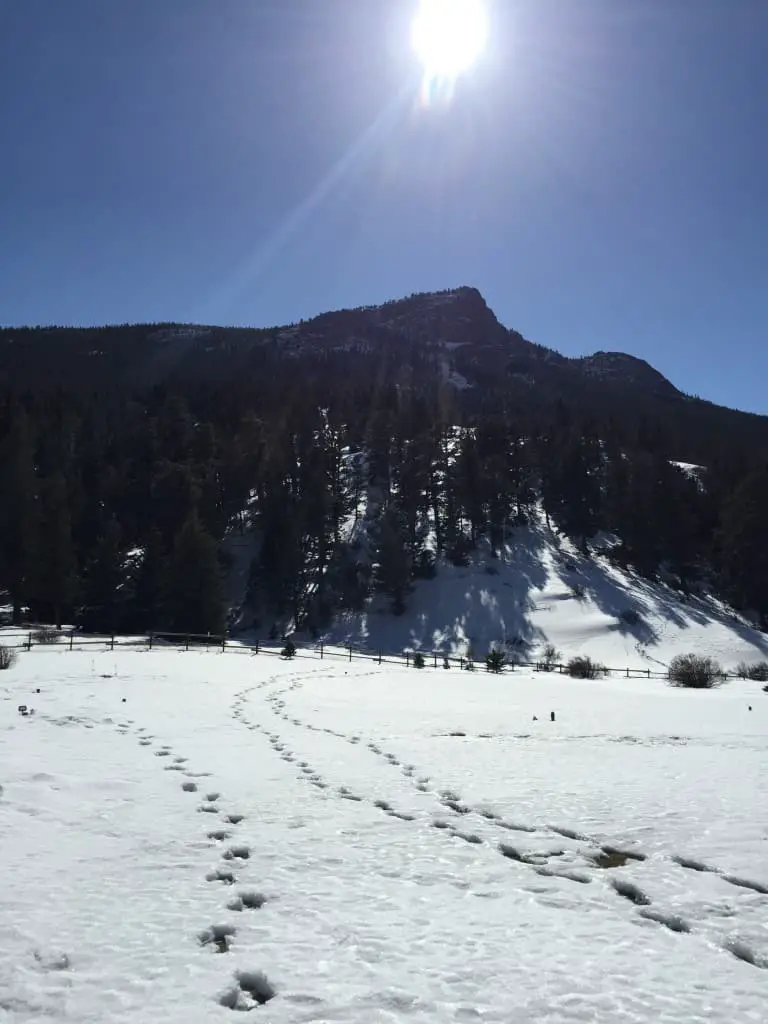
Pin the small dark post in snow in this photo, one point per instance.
(551, 716)
(124, 700)
(750, 706)
(535, 718)
(350, 652)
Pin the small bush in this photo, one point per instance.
(550, 658)
(758, 671)
(577, 591)
(694, 671)
(7, 657)
(46, 635)
(289, 649)
(630, 617)
(494, 660)
(418, 660)
(583, 667)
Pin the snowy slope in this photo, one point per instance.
(528, 596)
(408, 874)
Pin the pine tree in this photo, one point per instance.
(743, 550)
(102, 582)
(18, 513)
(56, 578)
(393, 564)
(193, 599)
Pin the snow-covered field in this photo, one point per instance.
(180, 831)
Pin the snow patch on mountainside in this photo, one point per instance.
(541, 591)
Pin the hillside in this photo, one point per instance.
(354, 455)
(543, 591)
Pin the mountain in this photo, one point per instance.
(357, 453)
(450, 340)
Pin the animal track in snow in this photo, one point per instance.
(208, 809)
(247, 900)
(221, 875)
(251, 989)
(671, 921)
(241, 852)
(235, 819)
(630, 892)
(219, 936)
(218, 835)
(189, 787)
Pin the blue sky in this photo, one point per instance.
(601, 176)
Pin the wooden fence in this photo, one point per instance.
(72, 640)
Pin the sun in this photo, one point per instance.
(448, 36)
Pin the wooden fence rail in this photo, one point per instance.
(73, 640)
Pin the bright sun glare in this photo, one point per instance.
(448, 36)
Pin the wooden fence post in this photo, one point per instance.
(29, 642)
(71, 640)
(350, 652)
(434, 654)
(187, 646)
(223, 642)
(112, 646)
(379, 657)
(407, 659)
(321, 652)
(150, 641)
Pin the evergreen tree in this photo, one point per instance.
(743, 549)
(103, 580)
(18, 513)
(193, 599)
(56, 580)
(393, 564)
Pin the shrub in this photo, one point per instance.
(577, 591)
(418, 660)
(46, 635)
(550, 657)
(7, 657)
(494, 660)
(694, 671)
(758, 671)
(289, 649)
(583, 667)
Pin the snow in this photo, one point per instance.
(347, 902)
(527, 596)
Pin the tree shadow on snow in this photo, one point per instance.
(486, 602)
(635, 601)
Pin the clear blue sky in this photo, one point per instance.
(602, 176)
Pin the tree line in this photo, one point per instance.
(114, 506)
